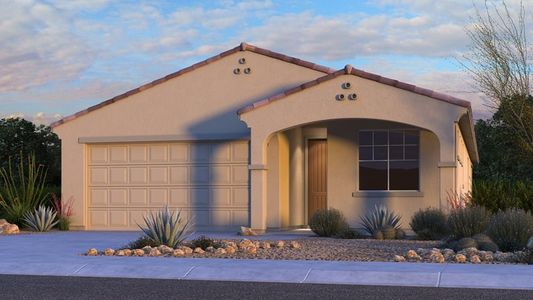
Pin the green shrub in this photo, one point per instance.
(465, 243)
(429, 224)
(328, 222)
(468, 221)
(166, 228)
(485, 243)
(141, 242)
(498, 195)
(379, 218)
(204, 242)
(511, 229)
(21, 191)
(41, 219)
(349, 234)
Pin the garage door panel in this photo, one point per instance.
(207, 181)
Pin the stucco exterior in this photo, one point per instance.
(282, 102)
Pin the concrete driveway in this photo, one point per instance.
(59, 253)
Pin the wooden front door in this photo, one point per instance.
(317, 176)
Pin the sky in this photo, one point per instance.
(59, 57)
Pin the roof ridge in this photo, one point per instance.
(241, 47)
(349, 70)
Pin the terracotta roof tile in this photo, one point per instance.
(242, 47)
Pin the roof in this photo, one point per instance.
(242, 47)
(347, 70)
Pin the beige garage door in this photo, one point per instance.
(207, 180)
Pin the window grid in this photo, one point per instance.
(388, 145)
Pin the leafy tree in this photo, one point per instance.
(19, 136)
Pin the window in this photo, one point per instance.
(389, 160)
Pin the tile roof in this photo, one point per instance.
(347, 70)
(242, 47)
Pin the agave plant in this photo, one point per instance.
(378, 218)
(166, 228)
(41, 219)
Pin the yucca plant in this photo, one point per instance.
(41, 219)
(166, 228)
(378, 218)
(23, 190)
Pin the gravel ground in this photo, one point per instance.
(334, 249)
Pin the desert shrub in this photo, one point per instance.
(429, 224)
(496, 195)
(63, 210)
(468, 221)
(349, 234)
(21, 190)
(381, 220)
(328, 222)
(141, 242)
(511, 229)
(204, 242)
(166, 228)
(465, 243)
(485, 243)
(41, 219)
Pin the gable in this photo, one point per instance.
(197, 100)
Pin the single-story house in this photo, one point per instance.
(257, 138)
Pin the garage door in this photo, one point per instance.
(207, 180)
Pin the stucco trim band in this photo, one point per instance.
(447, 164)
(164, 138)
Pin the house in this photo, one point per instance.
(254, 137)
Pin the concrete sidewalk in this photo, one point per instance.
(58, 253)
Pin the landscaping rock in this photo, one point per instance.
(10, 229)
(486, 256)
(266, 245)
(503, 256)
(295, 245)
(245, 243)
(220, 251)
(154, 252)
(109, 252)
(164, 249)
(199, 250)
(437, 257)
(178, 253)
(128, 252)
(187, 250)
(230, 250)
(280, 244)
(92, 252)
(138, 252)
(460, 258)
(119, 253)
(399, 258)
(411, 255)
(250, 250)
(247, 231)
(210, 249)
(147, 249)
(448, 254)
(3, 222)
(475, 259)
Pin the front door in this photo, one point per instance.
(317, 175)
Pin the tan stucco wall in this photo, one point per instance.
(201, 102)
(463, 170)
(374, 101)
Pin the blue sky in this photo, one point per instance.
(58, 57)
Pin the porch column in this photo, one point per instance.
(447, 166)
(258, 181)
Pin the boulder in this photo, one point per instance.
(109, 252)
(178, 253)
(187, 250)
(199, 250)
(138, 252)
(486, 256)
(295, 245)
(437, 257)
(210, 249)
(250, 250)
(165, 249)
(128, 252)
(247, 231)
(475, 259)
(92, 252)
(154, 252)
(266, 245)
(460, 258)
(230, 250)
(10, 229)
(448, 254)
(245, 243)
(120, 253)
(220, 251)
(147, 249)
(411, 255)
(399, 258)
(280, 244)
(3, 222)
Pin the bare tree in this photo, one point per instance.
(498, 61)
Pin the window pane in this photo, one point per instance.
(396, 152)
(380, 152)
(365, 153)
(411, 152)
(365, 138)
(403, 175)
(411, 137)
(372, 176)
(396, 137)
(380, 137)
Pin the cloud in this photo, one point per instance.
(39, 118)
